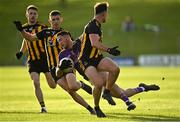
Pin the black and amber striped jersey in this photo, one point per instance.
(52, 46)
(36, 49)
(87, 51)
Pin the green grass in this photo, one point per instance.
(78, 12)
(18, 102)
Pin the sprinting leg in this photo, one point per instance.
(38, 91)
(76, 97)
(75, 84)
(50, 80)
(107, 65)
(116, 91)
(72, 83)
(98, 83)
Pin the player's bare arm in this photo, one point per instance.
(27, 36)
(94, 38)
(23, 47)
(22, 50)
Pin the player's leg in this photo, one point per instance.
(38, 92)
(43, 66)
(76, 97)
(98, 83)
(85, 87)
(72, 83)
(118, 92)
(50, 80)
(130, 91)
(106, 64)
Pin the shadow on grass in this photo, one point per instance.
(119, 116)
(142, 117)
(26, 112)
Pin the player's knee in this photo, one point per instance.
(73, 88)
(99, 84)
(115, 69)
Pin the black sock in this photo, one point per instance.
(96, 108)
(89, 108)
(42, 104)
(82, 84)
(106, 91)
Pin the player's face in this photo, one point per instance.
(65, 41)
(32, 16)
(55, 21)
(104, 16)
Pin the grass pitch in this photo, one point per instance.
(18, 102)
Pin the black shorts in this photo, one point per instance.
(85, 63)
(53, 73)
(38, 66)
(78, 67)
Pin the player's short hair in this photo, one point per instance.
(62, 33)
(33, 7)
(100, 7)
(54, 13)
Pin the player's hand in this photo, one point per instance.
(18, 25)
(66, 64)
(19, 55)
(114, 51)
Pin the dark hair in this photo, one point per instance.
(62, 33)
(33, 7)
(100, 7)
(54, 13)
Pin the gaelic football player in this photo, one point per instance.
(37, 60)
(53, 49)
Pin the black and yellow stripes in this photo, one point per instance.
(93, 52)
(41, 43)
(53, 49)
(83, 45)
(87, 51)
(35, 48)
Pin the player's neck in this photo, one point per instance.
(98, 19)
(32, 23)
(69, 46)
(56, 28)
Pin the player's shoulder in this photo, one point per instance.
(47, 30)
(41, 24)
(61, 29)
(94, 23)
(25, 25)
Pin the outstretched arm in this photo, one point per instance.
(27, 36)
(94, 38)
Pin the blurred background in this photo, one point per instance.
(146, 31)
